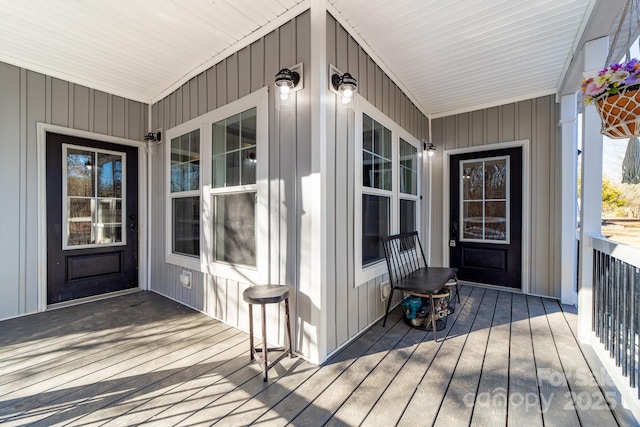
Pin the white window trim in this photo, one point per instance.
(364, 274)
(186, 261)
(507, 201)
(65, 207)
(205, 263)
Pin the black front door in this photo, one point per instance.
(92, 217)
(485, 236)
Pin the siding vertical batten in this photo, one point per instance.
(36, 93)
(22, 207)
(352, 315)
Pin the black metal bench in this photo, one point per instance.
(409, 272)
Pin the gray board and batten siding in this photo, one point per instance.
(26, 98)
(349, 309)
(240, 74)
(534, 120)
(355, 306)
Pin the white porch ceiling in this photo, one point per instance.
(450, 55)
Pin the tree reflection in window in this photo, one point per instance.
(93, 197)
(484, 205)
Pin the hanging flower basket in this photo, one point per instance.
(620, 114)
(615, 92)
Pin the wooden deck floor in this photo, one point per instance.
(507, 359)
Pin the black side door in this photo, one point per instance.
(485, 236)
(92, 217)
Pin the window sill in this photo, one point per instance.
(238, 273)
(191, 263)
(370, 272)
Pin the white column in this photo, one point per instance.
(569, 174)
(595, 54)
(313, 271)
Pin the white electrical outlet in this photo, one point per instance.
(185, 279)
(385, 290)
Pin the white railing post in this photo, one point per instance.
(595, 55)
(569, 174)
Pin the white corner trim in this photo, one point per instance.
(41, 145)
(313, 280)
(526, 200)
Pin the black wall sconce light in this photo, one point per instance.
(430, 148)
(153, 137)
(344, 85)
(288, 80)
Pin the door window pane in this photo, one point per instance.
(473, 220)
(109, 175)
(235, 228)
(80, 172)
(472, 180)
(375, 224)
(484, 189)
(186, 226)
(495, 215)
(79, 220)
(108, 221)
(495, 179)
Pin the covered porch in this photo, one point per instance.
(507, 359)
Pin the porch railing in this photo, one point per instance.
(615, 310)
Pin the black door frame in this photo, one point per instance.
(526, 202)
(143, 200)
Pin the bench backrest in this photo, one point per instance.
(404, 255)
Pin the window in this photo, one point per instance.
(185, 194)
(389, 187)
(234, 162)
(218, 203)
(409, 197)
(93, 191)
(484, 186)
(377, 183)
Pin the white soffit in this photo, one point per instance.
(131, 48)
(449, 55)
(460, 55)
